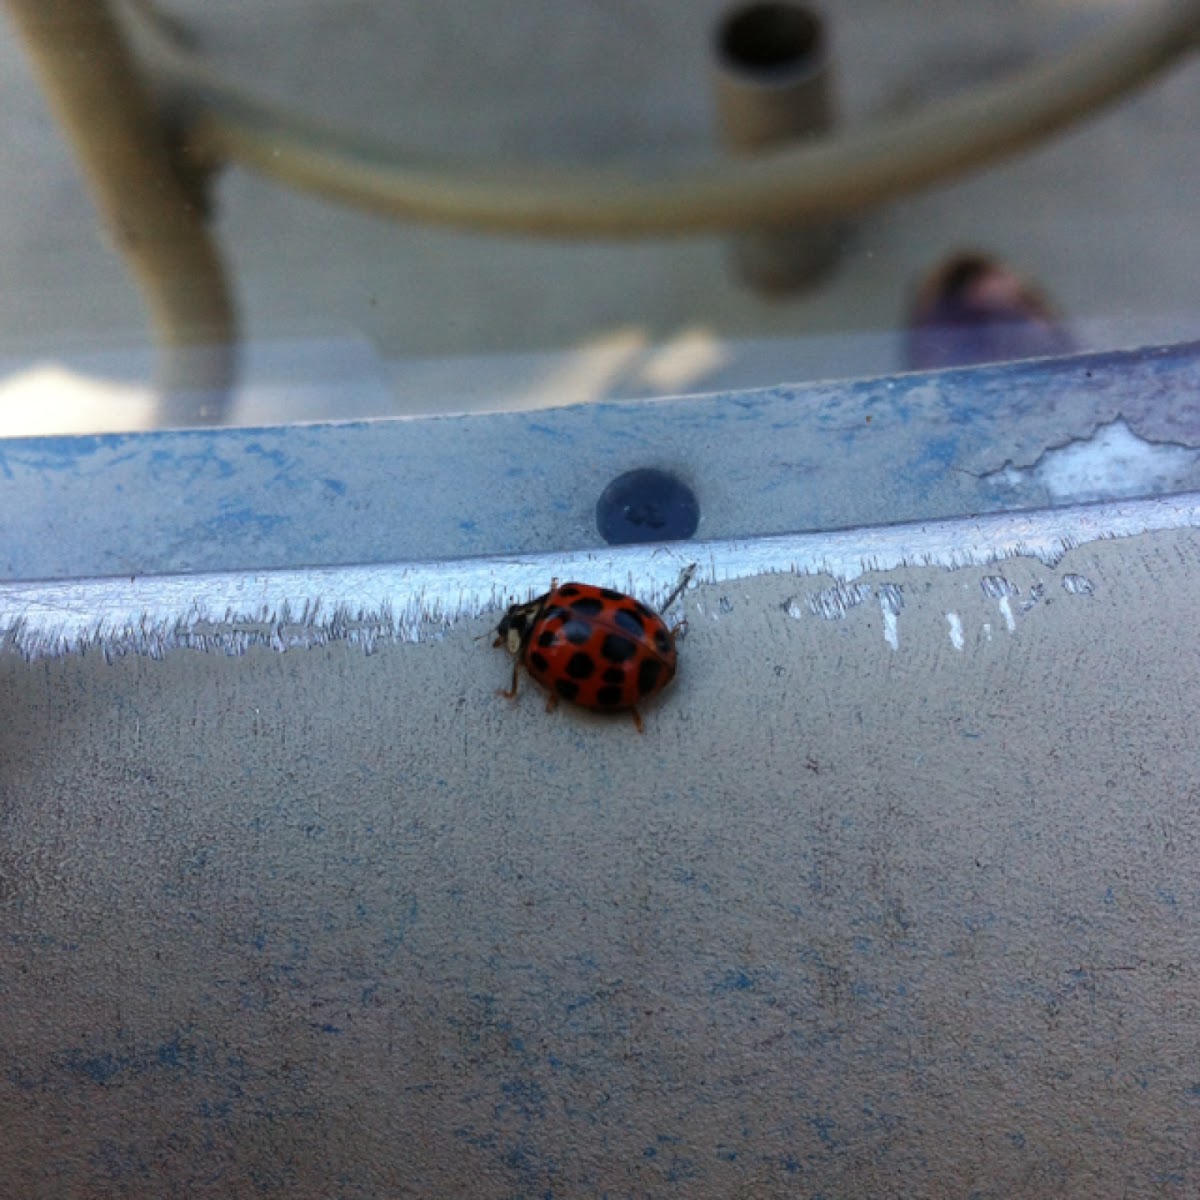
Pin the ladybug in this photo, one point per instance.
(592, 646)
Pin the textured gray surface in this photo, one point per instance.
(856, 916)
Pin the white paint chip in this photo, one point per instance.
(1112, 463)
(1007, 613)
(834, 603)
(996, 586)
(891, 633)
(956, 631)
(891, 601)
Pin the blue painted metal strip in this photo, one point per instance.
(779, 460)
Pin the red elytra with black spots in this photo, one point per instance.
(591, 646)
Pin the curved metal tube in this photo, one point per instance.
(867, 166)
(86, 72)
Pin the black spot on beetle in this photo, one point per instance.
(538, 662)
(547, 638)
(609, 594)
(618, 649)
(577, 632)
(568, 589)
(649, 674)
(587, 606)
(566, 689)
(662, 642)
(630, 621)
(610, 697)
(614, 675)
(647, 612)
(581, 666)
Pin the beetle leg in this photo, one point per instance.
(551, 701)
(510, 693)
(637, 720)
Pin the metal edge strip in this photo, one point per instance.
(231, 612)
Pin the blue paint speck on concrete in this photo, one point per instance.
(177, 1053)
(99, 1068)
(824, 1128)
(734, 980)
(681, 1169)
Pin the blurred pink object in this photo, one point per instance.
(973, 309)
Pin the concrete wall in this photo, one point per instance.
(877, 906)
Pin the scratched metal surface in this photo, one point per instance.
(813, 457)
(895, 896)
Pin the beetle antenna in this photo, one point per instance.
(685, 577)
